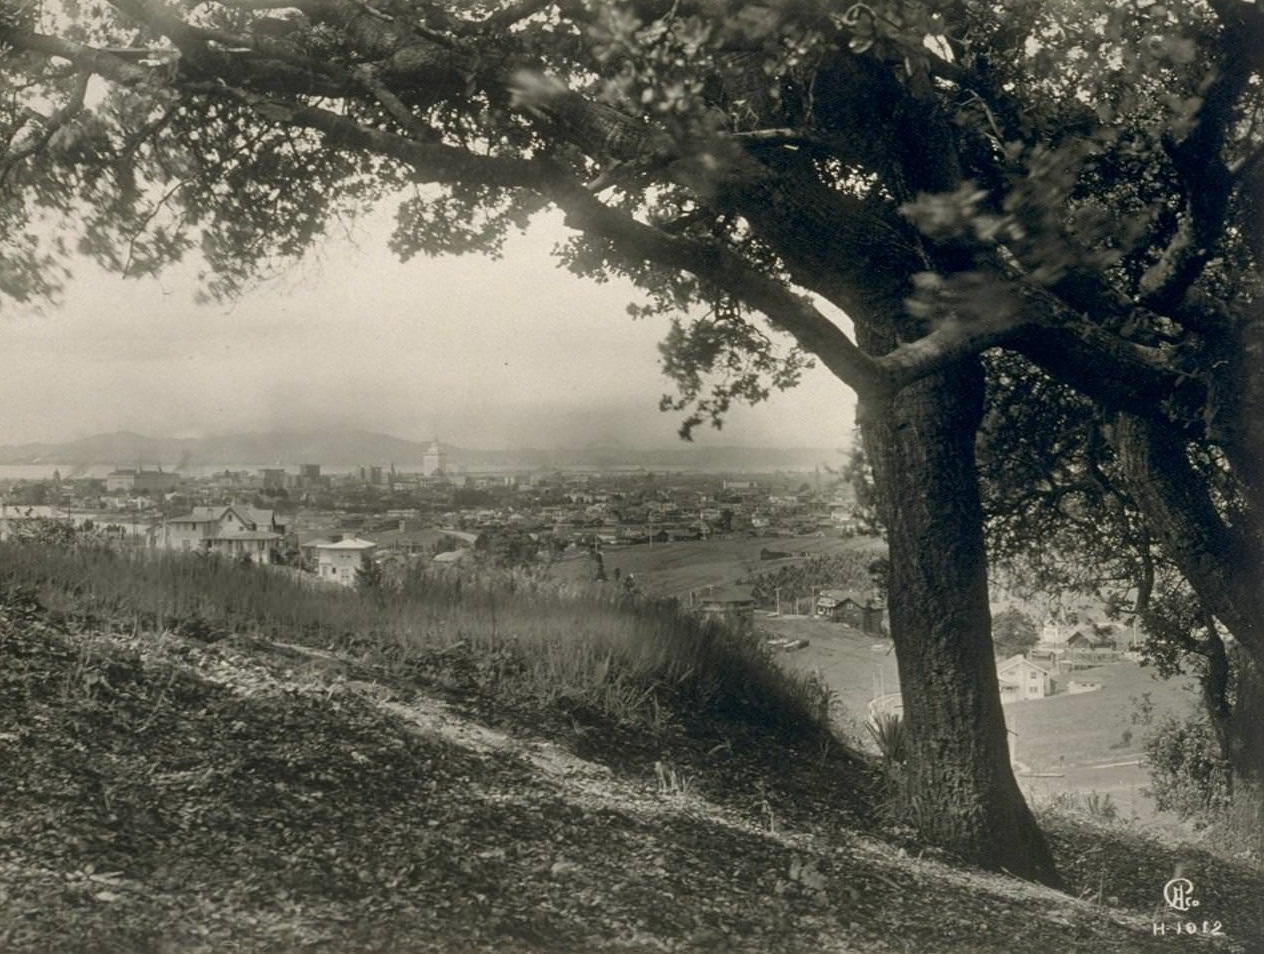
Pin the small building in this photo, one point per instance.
(450, 557)
(730, 602)
(337, 561)
(850, 609)
(1020, 679)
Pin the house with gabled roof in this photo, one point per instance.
(1020, 679)
(850, 609)
(233, 531)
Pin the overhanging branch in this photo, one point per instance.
(439, 163)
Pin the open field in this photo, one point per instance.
(676, 569)
(1064, 744)
(1077, 743)
(855, 666)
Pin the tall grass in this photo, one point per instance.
(630, 658)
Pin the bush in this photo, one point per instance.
(1189, 775)
(889, 735)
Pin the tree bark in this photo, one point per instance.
(961, 787)
(1239, 723)
(1222, 562)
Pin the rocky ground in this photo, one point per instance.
(164, 793)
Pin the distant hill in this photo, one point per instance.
(274, 447)
(348, 447)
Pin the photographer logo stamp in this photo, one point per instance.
(1179, 898)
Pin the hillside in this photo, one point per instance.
(214, 792)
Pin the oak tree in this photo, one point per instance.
(888, 188)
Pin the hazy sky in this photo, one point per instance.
(509, 353)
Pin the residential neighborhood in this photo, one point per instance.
(312, 515)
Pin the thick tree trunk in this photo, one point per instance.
(1244, 731)
(1223, 562)
(962, 790)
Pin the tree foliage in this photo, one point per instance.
(850, 570)
(1189, 775)
(1013, 632)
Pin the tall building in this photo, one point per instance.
(273, 478)
(434, 461)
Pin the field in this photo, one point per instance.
(1089, 742)
(676, 569)
(1063, 745)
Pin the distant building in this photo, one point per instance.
(309, 475)
(139, 481)
(272, 478)
(233, 532)
(851, 610)
(1091, 646)
(338, 560)
(1020, 679)
(434, 462)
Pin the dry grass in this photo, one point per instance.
(512, 633)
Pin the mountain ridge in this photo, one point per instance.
(353, 446)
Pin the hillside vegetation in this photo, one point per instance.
(206, 757)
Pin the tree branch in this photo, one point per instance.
(792, 313)
(1207, 182)
(508, 16)
(440, 163)
(85, 58)
(56, 121)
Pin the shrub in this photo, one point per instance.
(1189, 775)
(889, 735)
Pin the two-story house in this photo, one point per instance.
(1020, 678)
(338, 560)
(233, 531)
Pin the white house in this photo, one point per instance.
(233, 531)
(337, 561)
(1021, 678)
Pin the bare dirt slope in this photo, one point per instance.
(163, 794)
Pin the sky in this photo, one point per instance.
(481, 353)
